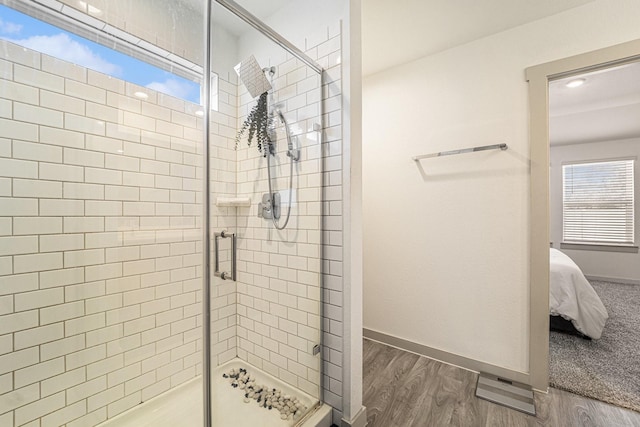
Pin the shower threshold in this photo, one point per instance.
(182, 406)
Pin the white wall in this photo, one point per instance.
(612, 265)
(447, 247)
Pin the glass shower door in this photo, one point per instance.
(100, 212)
(267, 192)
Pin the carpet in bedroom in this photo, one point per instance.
(607, 369)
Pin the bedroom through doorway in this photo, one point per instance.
(594, 280)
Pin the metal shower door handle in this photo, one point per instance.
(225, 275)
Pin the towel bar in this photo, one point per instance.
(461, 151)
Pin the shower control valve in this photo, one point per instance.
(270, 206)
(264, 207)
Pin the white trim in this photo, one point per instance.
(598, 247)
(352, 210)
(615, 280)
(598, 160)
(360, 420)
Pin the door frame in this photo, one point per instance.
(538, 78)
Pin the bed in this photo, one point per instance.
(573, 303)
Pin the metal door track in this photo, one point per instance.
(507, 393)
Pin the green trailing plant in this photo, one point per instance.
(257, 125)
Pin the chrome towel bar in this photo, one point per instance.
(461, 151)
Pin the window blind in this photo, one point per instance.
(598, 202)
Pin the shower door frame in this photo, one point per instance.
(272, 35)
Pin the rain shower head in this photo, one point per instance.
(252, 76)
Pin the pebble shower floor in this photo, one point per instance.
(266, 397)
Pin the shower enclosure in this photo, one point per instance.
(156, 268)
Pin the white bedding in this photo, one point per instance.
(572, 297)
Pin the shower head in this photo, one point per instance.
(252, 76)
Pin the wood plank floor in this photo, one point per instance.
(402, 389)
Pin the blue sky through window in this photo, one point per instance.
(34, 34)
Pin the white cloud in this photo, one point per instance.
(9, 27)
(172, 87)
(64, 47)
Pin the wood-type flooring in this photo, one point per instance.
(402, 389)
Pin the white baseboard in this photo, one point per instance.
(446, 357)
(614, 279)
(360, 420)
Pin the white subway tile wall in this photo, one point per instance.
(100, 247)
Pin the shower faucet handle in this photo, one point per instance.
(268, 207)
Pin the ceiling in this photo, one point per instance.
(396, 32)
(606, 107)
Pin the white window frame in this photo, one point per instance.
(591, 240)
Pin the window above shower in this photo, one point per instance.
(119, 49)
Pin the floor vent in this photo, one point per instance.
(506, 393)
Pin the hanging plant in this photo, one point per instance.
(257, 124)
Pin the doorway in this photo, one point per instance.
(594, 262)
(539, 78)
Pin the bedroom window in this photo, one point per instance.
(598, 199)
